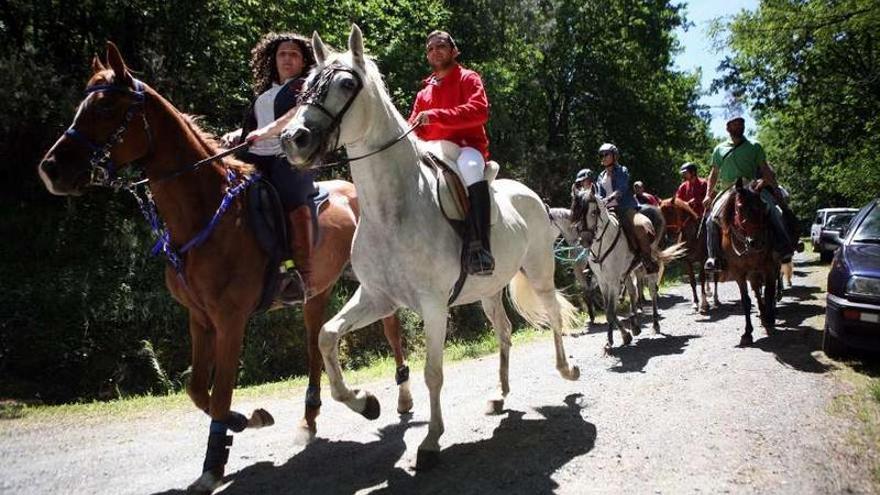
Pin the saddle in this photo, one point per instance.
(451, 194)
(269, 223)
(648, 219)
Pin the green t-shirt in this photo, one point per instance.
(743, 161)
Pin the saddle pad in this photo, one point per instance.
(451, 192)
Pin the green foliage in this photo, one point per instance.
(809, 68)
(84, 312)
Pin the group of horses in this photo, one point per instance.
(745, 245)
(385, 224)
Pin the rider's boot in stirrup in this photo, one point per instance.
(479, 255)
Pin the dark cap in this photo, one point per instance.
(583, 174)
(688, 167)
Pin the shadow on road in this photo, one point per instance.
(634, 357)
(521, 456)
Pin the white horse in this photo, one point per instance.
(613, 262)
(405, 253)
(561, 219)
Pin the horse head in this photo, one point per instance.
(586, 212)
(104, 136)
(334, 103)
(748, 211)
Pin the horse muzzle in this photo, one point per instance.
(299, 145)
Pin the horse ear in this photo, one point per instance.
(97, 66)
(356, 46)
(120, 71)
(319, 48)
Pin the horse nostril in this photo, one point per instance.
(301, 137)
(50, 167)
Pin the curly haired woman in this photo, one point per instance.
(279, 63)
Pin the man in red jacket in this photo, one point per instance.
(693, 189)
(452, 106)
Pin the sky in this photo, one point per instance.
(698, 52)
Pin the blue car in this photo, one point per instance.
(852, 314)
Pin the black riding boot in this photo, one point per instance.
(479, 255)
(713, 246)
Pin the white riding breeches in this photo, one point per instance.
(471, 165)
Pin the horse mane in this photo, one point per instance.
(211, 144)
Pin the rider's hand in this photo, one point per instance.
(230, 139)
(257, 135)
(421, 118)
(707, 201)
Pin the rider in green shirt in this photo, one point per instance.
(735, 158)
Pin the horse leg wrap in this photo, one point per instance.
(402, 374)
(218, 447)
(313, 397)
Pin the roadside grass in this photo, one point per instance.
(380, 367)
(862, 406)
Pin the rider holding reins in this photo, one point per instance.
(452, 106)
(740, 158)
(614, 188)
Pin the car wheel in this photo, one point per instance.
(826, 256)
(831, 345)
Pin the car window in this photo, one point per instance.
(869, 230)
(837, 222)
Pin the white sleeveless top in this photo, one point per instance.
(264, 109)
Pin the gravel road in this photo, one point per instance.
(686, 411)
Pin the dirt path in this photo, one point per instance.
(682, 412)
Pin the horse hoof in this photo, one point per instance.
(635, 331)
(260, 418)
(656, 327)
(494, 407)
(607, 351)
(427, 459)
(627, 339)
(695, 307)
(746, 340)
(206, 484)
(371, 407)
(573, 373)
(404, 405)
(304, 435)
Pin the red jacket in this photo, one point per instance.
(457, 109)
(692, 193)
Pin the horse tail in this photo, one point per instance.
(527, 303)
(671, 253)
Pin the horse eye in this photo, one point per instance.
(348, 84)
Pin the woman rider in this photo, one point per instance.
(279, 63)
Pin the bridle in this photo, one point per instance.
(102, 170)
(316, 95)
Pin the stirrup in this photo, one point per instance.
(292, 289)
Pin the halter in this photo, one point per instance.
(103, 170)
(596, 254)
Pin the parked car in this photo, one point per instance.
(826, 251)
(830, 235)
(852, 313)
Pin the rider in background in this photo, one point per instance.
(644, 197)
(453, 106)
(279, 64)
(614, 188)
(584, 180)
(693, 189)
(740, 158)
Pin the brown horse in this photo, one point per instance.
(748, 253)
(683, 225)
(220, 280)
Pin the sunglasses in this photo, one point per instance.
(605, 153)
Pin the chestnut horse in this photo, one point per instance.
(220, 280)
(747, 248)
(683, 225)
